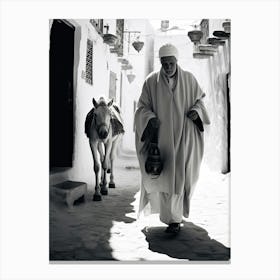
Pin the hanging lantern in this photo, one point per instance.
(127, 67)
(138, 45)
(123, 61)
(195, 36)
(130, 77)
(110, 39)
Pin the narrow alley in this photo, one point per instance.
(109, 229)
(111, 58)
(177, 103)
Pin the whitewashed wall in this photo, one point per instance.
(142, 63)
(103, 63)
(216, 144)
(211, 75)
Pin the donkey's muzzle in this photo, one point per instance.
(102, 132)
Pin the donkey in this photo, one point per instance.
(103, 127)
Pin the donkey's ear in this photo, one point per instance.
(110, 102)
(95, 104)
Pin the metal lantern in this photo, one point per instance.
(126, 67)
(138, 45)
(154, 164)
(130, 77)
(123, 61)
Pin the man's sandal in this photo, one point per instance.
(173, 228)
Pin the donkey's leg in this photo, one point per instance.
(112, 158)
(105, 164)
(101, 153)
(111, 183)
(93, 146)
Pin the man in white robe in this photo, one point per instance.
(171, 105)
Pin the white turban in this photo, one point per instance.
(168, 50)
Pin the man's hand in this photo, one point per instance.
(151, 130)
(193, 115)
(154, 122)
(150, 134)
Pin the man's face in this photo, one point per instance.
(169, 64)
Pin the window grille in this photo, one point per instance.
(119, 33)
(89, 61)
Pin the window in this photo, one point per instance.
(89, 62)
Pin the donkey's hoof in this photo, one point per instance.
(104, 192)
(97, 197)
(112, 185)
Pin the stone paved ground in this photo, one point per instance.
(110, 230)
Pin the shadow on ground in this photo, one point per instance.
(192, 243)
(83, 233)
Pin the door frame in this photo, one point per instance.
(77, 38)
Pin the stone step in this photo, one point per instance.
(68, 192)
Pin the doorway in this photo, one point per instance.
(61, 61)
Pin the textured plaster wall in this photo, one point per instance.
(211, 75)
(216, 144)
(103, 63)
(209, 72)
(142, 63)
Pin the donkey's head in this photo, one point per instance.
(102, 115)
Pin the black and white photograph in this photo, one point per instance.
(139, 140)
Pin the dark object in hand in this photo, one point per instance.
(196, 121)
(153, 163)
(199, 124)
(151, 131)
